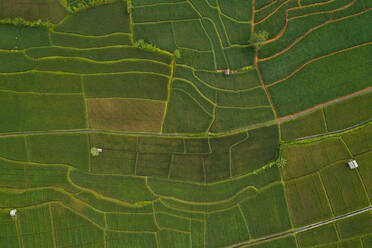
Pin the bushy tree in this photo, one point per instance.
(281, 162)
(258, 39)
(94, 151)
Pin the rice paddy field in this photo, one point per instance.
(166, 124)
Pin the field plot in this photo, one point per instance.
(304, 126)
(307, 200)
(124, 114)
(344, 188)
(307, 158)
(164, 123)
(52, 10)
(354, 109)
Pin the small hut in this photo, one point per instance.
(99, 150)
(226, 72)
(13, 212)
(352, 164)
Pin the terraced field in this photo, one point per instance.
(190, 157)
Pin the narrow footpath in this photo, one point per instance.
(258, 125)
(301, 229)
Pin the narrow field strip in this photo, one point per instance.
(108, 53)
(314, 60)
(284, 29)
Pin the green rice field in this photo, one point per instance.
(185, 123)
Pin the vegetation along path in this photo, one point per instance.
(305, 228)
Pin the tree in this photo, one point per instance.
(258, 39)
(94, 151)
(177, 54)
(281, 162)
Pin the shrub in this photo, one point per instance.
(258, 38)
(177, 54)
(18, 21)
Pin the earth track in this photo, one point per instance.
(276, 121)
(302, 229)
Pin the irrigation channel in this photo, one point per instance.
(301, 229)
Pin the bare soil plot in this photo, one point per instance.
(125, 114)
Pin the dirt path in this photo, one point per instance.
(258, 125)
(302, 229)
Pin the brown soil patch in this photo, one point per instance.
(125, 114)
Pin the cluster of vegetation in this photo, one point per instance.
(146, 46)
(18, 21)
(258, 39)
(85, 4)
